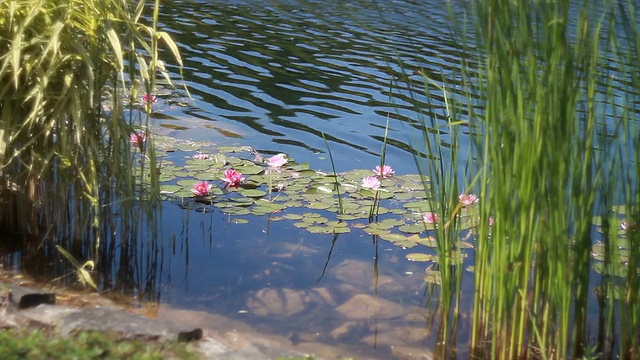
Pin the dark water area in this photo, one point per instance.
(276, 75)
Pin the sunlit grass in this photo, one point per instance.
(71, 76)
(553, 146)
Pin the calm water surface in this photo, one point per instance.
(275, 76)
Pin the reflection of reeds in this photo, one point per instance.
(66, 164)
(554, 144)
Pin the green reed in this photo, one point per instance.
(553, 146)
(65, 159)
(336, 183)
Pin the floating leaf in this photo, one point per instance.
(318, 206)
(235, 211)
(240, 221)
(250, 170)
(320, 230)
(374, 231)
(254, 193)
(428, 241)
(293, 216)
(433, 277)
(393, 237)
(419, 206)
(620, 209)
(412, 229)
(336, 224)
(170, 189)
(419, 257)
(405, 244)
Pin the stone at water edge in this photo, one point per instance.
(23, 298)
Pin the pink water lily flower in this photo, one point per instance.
(384, 171)
(148, 99)
(232, 177)
(201, 156)
(201, 188)
(137, 139)
(430, 218)
(468, 199)
(371, 182)
(277, 160)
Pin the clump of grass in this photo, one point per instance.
(37, 344)
(66, 113)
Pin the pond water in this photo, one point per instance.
(275, 76)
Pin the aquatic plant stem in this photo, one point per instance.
(335, 175)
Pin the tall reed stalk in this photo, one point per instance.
(554, 144)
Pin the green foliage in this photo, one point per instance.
(23, 344)
(70, 71)
(554, 143)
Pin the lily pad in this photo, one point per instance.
(420, 257)
(412, 229)
(170, 189)
(254, 193)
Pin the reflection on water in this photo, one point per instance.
(292, 70)
(353, 293)
(276, 75)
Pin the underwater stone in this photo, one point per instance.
(283, 302)
(363, 307)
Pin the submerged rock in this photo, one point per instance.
(281, 302)
(361, 275)
(353, 330)
(363, 307)
(410, 353)
(397, 335)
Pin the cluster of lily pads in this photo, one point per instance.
(619, 253)
(238, 181)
